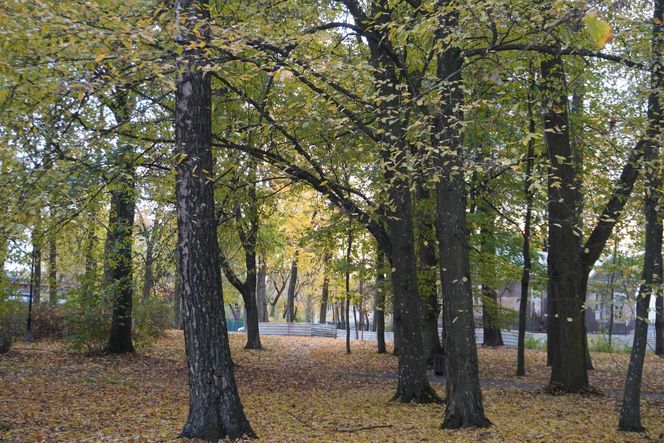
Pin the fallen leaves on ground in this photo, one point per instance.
(299, 390)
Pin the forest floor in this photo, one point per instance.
(302, 390)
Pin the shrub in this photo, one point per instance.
(48, 321)
(601, 344)
(12, 318)
(534, 343)
(151, 318)
(86, 325)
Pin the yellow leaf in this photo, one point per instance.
(599, 30)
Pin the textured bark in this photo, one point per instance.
(261, 291)
(464, 398)
(290, 295)
(148, 274)
(427, 270)
(325, 293)
(247, 289)
(215, 410)
(490, 308)
(630, 411)
(177, 293)
(379, 303)
(118, 277)
(398, 245)
(566, 332)
(119, 273)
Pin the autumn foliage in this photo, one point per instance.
(300, 390)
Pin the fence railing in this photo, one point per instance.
(510, 337)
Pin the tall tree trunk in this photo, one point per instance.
(464, 398)
(630, 411)
(427, 265)
(119, 275)
(215, 410)
(527, 262)
(349, 248)
(52, 266)
(488, 277)
(251, 311)
(261, 291)
(148, 274)
(177, 293)
(290, 295)
(566, 341)
(325, 293)
(249, 296)
(412, 384)
(379, 303)
(36, 279)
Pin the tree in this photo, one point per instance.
(630, 410)
(118, 276)
(525, 250)
(379, 302)
(215, 410)
(463, 406)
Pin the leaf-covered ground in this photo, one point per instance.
(300, 390)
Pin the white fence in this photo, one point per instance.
(510, 338)
(298, 329)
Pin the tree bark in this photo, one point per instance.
(630, 411)
(427, 265)
(37, 257)
(261, 291)
(464, 398)
(52, 267)
(119, 273)
(148, 275)
(398, 245)
(325, 293)
(118, 278)
(290, 295)
(215, 410)
(379, 303)
(566, 333)
(490, 308)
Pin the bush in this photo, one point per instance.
(601, 344)
(86, 325)
(12, 318)
(534, 343)
(151, 318)
(48, 321)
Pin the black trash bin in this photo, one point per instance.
(439, 364)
